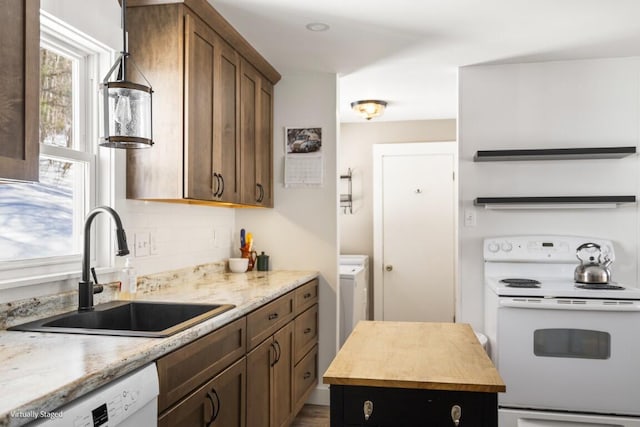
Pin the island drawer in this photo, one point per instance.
(410, 407)
(264, 321)
(305, 333)
(306, 295)
(183, 370)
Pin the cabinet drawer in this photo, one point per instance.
(220, 402)
(266, 320)
(306, 332)
(305, 377)
(188, 367)
(306, 295)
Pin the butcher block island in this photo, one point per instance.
(410, 373)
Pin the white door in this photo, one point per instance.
(415, 231)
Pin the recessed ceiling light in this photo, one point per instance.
(317, 26)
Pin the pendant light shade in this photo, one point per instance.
(127, 106)
(369, 108)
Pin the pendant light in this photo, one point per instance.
(369, 108)
(127, 105)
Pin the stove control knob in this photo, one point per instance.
(493, 247)
(506, 246)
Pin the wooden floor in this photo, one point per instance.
(312, 416)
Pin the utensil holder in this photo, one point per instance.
(246, 253)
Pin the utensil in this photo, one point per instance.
(592, 268)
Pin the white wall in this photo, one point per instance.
(300, 233)
(356, 142)
(587, 103)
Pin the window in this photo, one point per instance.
(41, 224)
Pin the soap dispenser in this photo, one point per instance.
(128, 280)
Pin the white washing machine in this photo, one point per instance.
(354, 299)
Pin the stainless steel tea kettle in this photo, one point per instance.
(592, 269)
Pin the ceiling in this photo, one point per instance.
(407, 52)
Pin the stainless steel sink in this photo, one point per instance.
(128, 318)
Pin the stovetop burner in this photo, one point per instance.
(521, 283)
(600, 286)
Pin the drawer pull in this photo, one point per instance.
(306, 375)
(307, 331)
(367, 409)
(307, 295)
(273, 316)
(456, 414)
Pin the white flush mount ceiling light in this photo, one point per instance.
(127, 105)
(369, 108)
(317, 26)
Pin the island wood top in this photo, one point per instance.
(435, 356)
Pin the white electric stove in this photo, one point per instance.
(567, 354)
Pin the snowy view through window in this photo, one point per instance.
(37, 220)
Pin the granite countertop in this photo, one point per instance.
(434, 356)
(43, 371)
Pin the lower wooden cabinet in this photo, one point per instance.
(220, 402)
(257, 371)
(269, 382)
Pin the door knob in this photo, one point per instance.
(389, 267)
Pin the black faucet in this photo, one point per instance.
(85, 287)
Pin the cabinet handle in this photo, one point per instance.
(273, 316)
(275, 354)
(307, 331)
(306, 375)
(307, 295)
(456, 414)
(260, 193)
(214, 414)
(367, 408)
(215, 185)
(222, 186)
(278, 352)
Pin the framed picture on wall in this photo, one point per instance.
(303, 140)
(303, 160)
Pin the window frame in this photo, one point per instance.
(95, 61)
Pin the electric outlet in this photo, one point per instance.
(153, 243)
(141, 241)
(470, 218)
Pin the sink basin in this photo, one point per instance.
(128, 318)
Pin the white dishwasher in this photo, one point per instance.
(129, 401)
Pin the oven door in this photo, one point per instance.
(570, 355)
(525, 418)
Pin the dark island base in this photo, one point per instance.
(400, 407)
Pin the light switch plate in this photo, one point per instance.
(142, 244)
(470, 219)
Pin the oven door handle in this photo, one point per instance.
(569, 304)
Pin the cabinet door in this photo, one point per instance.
(226, 151)
(220, 402)
(200, 49)
(259, 362)
(256, 129)
(19, 89)
(264, 144)
(282, 388)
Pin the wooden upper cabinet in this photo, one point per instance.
(256, 134)
(194, 61)
(19, 89)
(211, 137)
